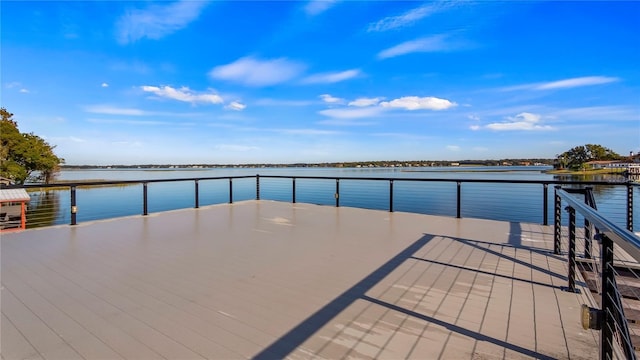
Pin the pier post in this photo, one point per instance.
(74, 208)
(391, 195)
(545, 204)
(293, 190)
(572, 251)
(337, 194)
(197, 194)
(608, 293)
(230, 191)
(557, 221)
(458, 199)
(588, 199)
(629, 207)
(257, 186)
(145, 208)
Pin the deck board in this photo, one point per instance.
(268, 280)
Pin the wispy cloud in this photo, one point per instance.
(183, 94)
(434, 43)
(577, 82)
(104, 85)
(307, 132)
(410, 17)
(251, 71)
(331, 77)
(17, 85)
(24, 91)
(132, 122)
(235, 105)
(565, 83)
(282, 102)
(522, 122)
(453, 148)
(157, 21)
(316, 7)
(352, 113)
(419, 103)
(364, 102)
(331, 99)
(115, 110)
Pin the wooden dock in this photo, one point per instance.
(272, 280)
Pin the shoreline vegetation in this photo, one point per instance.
(619, 171)
(348, 164)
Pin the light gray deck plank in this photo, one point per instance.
(270, 280)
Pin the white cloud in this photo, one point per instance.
(523, 121)
(234, 105)
(133, 122)
(576, 82)
(408, 18)
(183, 94)
(352, 113)
(453, 147)
(419, 103)
(236, 148)
(256, 72)
(331, 99)
(363, 102)
(331, 77)
(12, 85)
(24, 91)
(315, 7)
(157, 21)
(474, 127)
(473, 117)
(104, 85)
(435, 43)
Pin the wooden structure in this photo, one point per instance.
(13, 209)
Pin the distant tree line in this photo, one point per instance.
(349, 164)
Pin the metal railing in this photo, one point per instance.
(618, 247)
(481, 198)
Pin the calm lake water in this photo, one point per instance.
(508, 202)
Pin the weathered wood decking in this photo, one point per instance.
(269, 280)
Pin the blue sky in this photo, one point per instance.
(120, 82)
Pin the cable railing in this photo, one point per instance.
(610, 259)
(505, 200)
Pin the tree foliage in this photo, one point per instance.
(576, 157)
(24, 154)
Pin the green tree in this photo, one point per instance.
(25, 154)
(576, 157)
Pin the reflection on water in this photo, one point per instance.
(44, 208)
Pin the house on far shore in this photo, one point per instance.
(601, 164)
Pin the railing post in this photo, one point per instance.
(293, 190)
(257, 186)
(587, 225)
(197, 194)
(608, 293)
(572, 251)
(391, 195)
(629, 207)
(458, 199)
(74, 208)
(557, 221)
(337, 194)
(230, 191)
(545, 204)
(145, 208)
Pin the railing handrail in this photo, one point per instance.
(624, 238)
(317, 177)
